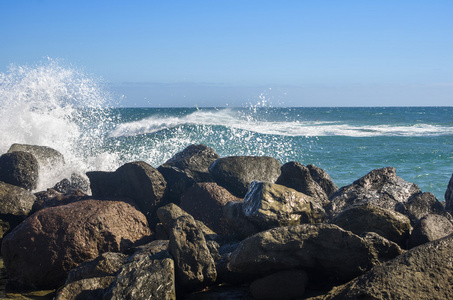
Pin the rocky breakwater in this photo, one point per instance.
(205, 227)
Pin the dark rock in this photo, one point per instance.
(297, 176)
(221, 292)
(86, 289)
(137, 181)
(41, 250)
(380, 187)
(168, 214)
(424, 272)
(106, 264)
(75, 183)
(148, 249)
(430, 228)
(236, 173)
(281, 285)
(194, 264)
(323, 179)
(204, 201)
(52, 198)
(15, 205)
(328, 253)
(20, 169)
(368, 217)
(238, 222)
(269, 205)
(46, 156)
(387, 249)
(449, 196)
(149, 277)
(420, 205)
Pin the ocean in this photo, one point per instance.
(63, 108)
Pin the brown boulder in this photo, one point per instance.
(41, 250)
(204, 201)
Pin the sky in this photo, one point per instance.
(236, 53)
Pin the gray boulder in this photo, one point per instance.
(449, 195)
(148, 277)
(236, 173)
(281, 285)
(368, 217)
(420, 205)
(387, 249)
(15, 204)
(137, 181)
(269, 205)
(76, 182)
(195, 267)
(327, 252)
(380, 187)
(86, 289)
(424, 272)
(46, 156)
(106, 264)
(298, 177)
(20, 169)
(323, 179)
(241, 226)
(430, 228)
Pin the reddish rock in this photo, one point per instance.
(204, 201)
(40, 251)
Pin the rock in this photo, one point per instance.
(380, 187)
(368, 217)
(323, 179)
(387, 249)
(221, 292)
(420, 205)
(236, 173)
(328, 253)
(76, 182)
(41, 250)
(168, 214)
(86, 289)
(149, 277)
(281, 285)
(424, 272)
(194, 264)
(46, 156)
(298, 177)
(20, 169)
(449, 196)
(148, 249)
(204, 201)
(269, 205)
(137, 181)
(238, 222)
(15, 205)
(430, 228)
(52, 198)
(106, 264)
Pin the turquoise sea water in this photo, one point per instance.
(60, 107)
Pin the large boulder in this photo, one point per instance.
(269, 205)
(205, 201)
(420, 205)
(323, 179)
(449, 195)
(297, 176)
(430, 228)
(41, 250)
(186, 168)
(87, 289)
(52, 198)
(424, 272)
(20, 169)
(236, 173)
(137, 181)
(241, 226)
(368, 217)
(46, 156)
(380, 187)
(328, 253)
(195, 267)
(148, 277)
(15, 204)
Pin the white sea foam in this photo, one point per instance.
(231, 119)
(56, 106)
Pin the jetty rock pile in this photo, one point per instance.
(207, 227)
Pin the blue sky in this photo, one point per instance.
(217, 53)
